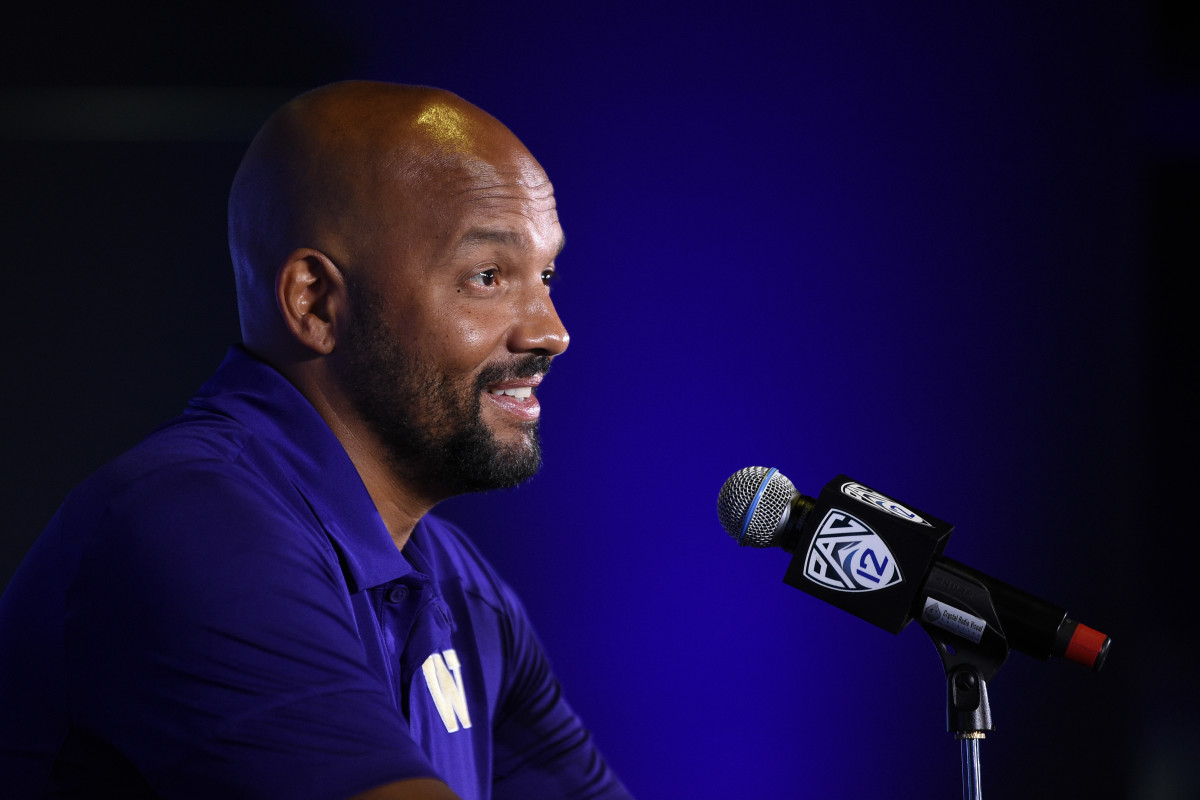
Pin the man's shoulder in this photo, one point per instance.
(188, 452)
(205, 469)
(242, 427)
(193, 492)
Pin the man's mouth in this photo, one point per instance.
(516, 397)
(519, 392)
(512, 389)
(518, 387)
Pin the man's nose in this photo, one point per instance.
(537, 328)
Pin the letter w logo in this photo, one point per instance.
(443, 677)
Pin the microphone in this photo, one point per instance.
(882, 561)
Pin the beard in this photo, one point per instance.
(431, 424)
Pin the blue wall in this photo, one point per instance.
(914, 243)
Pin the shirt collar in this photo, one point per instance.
(256, 395)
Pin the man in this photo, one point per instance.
(254, 602)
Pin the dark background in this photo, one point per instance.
(945, 248)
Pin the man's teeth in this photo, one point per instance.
(521, 392)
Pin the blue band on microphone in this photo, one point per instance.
(762, 487)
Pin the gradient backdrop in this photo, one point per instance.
(940, 247)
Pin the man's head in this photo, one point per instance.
(392, 247)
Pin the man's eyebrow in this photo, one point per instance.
(500, 236)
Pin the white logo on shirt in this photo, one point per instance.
(443, 677)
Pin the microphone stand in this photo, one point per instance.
(969, 663)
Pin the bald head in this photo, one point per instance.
(339, 170)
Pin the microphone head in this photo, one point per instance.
(754, 504)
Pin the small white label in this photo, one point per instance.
(954, 620)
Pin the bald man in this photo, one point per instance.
(255, 602)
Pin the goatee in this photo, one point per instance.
(430, 424)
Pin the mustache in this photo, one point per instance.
(526, 367)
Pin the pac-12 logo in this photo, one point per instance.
(848, 556)
(873, 498)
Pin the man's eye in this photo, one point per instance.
(549, 276)
(485, 278)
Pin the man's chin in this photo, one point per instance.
(515, 464)
(481, 462)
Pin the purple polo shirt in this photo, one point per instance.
(220, 612)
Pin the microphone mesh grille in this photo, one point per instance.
(736, 499)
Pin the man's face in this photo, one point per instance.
(452, 328)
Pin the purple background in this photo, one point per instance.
(936, 246)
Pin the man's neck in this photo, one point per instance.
(400, 502)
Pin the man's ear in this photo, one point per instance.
(311, 293)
